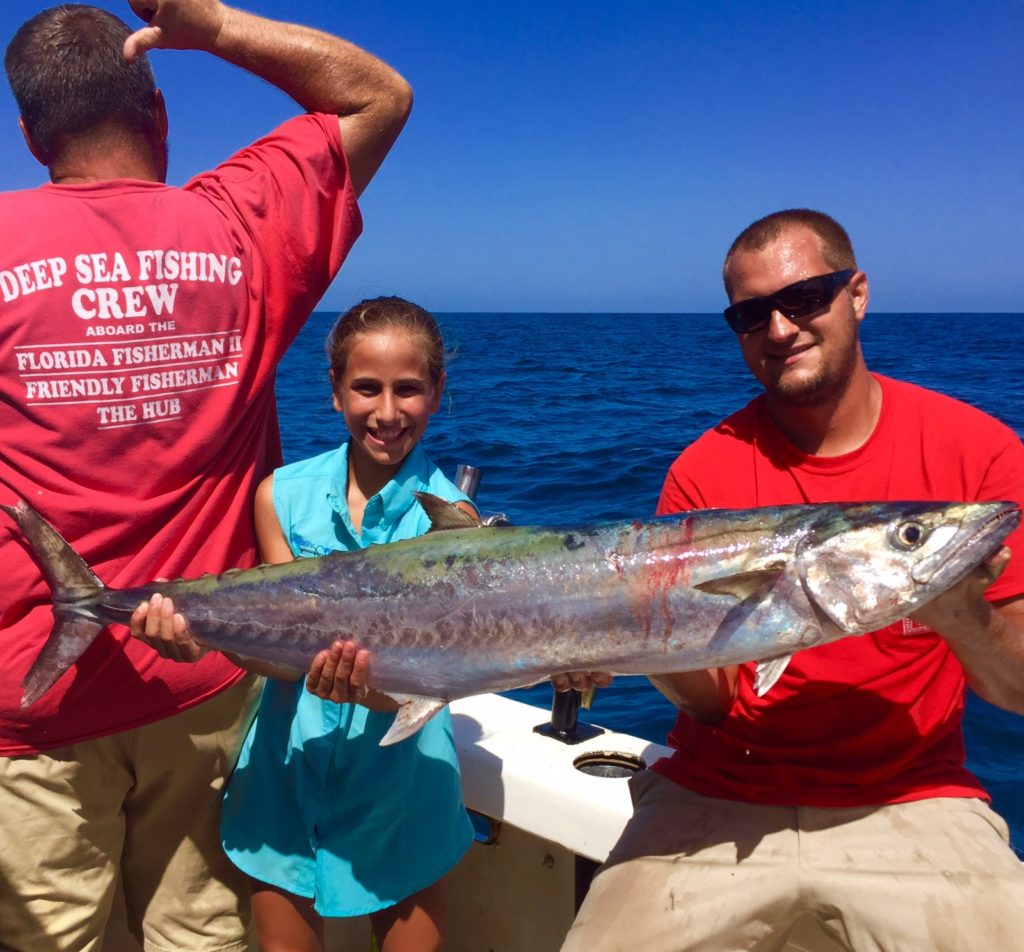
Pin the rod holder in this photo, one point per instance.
(467, 478)
(564, 725)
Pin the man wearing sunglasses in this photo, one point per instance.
(835, 811)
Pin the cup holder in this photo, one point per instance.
(609, 763)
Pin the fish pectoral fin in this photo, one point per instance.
(742, 585)
(768, 672)
(413, 712)
(446, 515)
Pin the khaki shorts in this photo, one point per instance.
(695, 873)
(140, 809)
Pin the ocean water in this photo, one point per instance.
(575, 418)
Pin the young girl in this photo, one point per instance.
(325, 821)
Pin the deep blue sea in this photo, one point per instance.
(575, 418)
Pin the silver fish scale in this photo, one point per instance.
(464, 611)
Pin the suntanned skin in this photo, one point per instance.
(322, 73)
(822, 397)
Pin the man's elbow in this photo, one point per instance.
(403, 100)
(394, 103)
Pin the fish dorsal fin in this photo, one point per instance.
(743, 585)
(446, 515)
(413, 712)
(768, 672)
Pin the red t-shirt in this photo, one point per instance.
(140, 329)
(868, 719)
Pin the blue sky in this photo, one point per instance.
(597, 156)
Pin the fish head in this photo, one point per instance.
(868, 565)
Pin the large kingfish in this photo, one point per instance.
(471, 609)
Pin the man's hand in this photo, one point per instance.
(957, 612)
(175, 25)
(166, 631)
(580, 681)
(986, 637)
(321, 72)
(341, 674)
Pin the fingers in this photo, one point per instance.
(176, 25)
(138, 620)
(580, 680)
(144, 9)
(995, 564)
(955, 613)
(359, 677)
(165, 630)
(561, 683)
(141, 42)
(328, 666)
(340, 674)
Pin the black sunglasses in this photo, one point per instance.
(801, 299)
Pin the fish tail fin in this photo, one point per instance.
(68, 640)
(70, 580)
(65, 570)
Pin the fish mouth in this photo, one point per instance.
(1012, 513)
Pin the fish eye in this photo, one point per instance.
(909, 535)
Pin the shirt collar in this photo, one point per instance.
(397, 495)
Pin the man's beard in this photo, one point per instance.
(827, 385)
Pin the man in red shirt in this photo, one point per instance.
(836, 810)
(140, 330)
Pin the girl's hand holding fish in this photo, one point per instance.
(340, 674)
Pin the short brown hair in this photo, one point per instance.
(67, 70)
(836, 247)
(381, 314)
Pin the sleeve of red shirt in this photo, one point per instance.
(301, 168)
(680, 492)
(673, 496)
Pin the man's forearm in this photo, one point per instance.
(987, 639)
(704, 695)
(989, 643)
(321, 72)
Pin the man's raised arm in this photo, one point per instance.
(321, 72)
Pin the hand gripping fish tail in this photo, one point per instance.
(471, 609)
